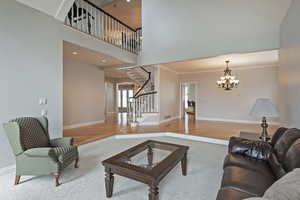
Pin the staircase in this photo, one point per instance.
(143, 78)
(143, 106)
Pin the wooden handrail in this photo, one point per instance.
(144, 94)
(146, 82)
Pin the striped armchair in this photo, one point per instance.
(36, 154)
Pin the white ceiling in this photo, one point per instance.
(256, 59)
(88, 56)
(128, 12)
(116, 73)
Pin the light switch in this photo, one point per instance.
(43, 101)
(40, 101)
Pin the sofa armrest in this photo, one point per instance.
(58, 142)
(255, 149)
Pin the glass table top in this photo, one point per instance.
(143, 159)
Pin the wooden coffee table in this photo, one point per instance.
(148, 162)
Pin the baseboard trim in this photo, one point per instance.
(144, 135)
(169, 119)
(175, 135)
(148, 123)
(82, 124)
(199, 138)
(234, 120)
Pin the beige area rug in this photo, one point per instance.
(87, 183)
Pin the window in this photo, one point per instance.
(119, 99)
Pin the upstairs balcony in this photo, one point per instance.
(89, 18)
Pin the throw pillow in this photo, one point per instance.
(288, 187)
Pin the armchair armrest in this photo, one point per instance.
(255, 149)
(58, 142)
(40, 152)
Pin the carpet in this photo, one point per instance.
(202, 182)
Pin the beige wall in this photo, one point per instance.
(168, 94)
(84, 93)
(176, 30)
(30, 68)
(215, 103)
(110, 97)
(289, 67)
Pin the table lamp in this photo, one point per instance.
(264, 108)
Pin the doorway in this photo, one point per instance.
(188, 100)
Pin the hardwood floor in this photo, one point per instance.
(117, 124)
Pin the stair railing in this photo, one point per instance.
(142, 103)
(145, 83)
(89, 18)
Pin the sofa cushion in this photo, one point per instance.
(284, 143)
(276, 166)
(248, 163)
(230, 193)
(292, 157)
(278, 135)
(32, 134)
(246, 180)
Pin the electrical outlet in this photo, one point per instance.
(44, 113)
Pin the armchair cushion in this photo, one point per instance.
(64, 155)
(40, 152)
(58, 142)
(255, 149)
(32, 134)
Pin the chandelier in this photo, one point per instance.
(227, 82)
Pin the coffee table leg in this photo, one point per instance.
(109, 182)
(153, 192)
(184, 165)
(150, 156)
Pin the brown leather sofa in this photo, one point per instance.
(251, 167)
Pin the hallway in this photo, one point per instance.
(117, 124)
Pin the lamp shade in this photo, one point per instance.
(264, 108)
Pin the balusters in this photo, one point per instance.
(149, 104)
(88, 18)
(141, 104)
